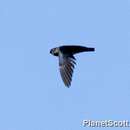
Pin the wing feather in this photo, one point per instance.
(67, 65)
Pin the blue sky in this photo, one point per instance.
(32, 94)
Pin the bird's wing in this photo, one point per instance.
(66, 65)
(73, 49)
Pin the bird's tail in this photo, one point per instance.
(78, 49)
(90, 49)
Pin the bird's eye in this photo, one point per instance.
(51, 51)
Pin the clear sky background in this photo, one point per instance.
(32, 94)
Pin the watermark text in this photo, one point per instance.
(106, 123)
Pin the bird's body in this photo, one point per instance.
(67, 60)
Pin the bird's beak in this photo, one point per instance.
(51, 51)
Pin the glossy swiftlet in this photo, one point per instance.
(67, 61)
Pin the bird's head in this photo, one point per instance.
(55, 51)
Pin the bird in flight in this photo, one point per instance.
(67, 61)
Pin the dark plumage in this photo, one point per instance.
(67, 60)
